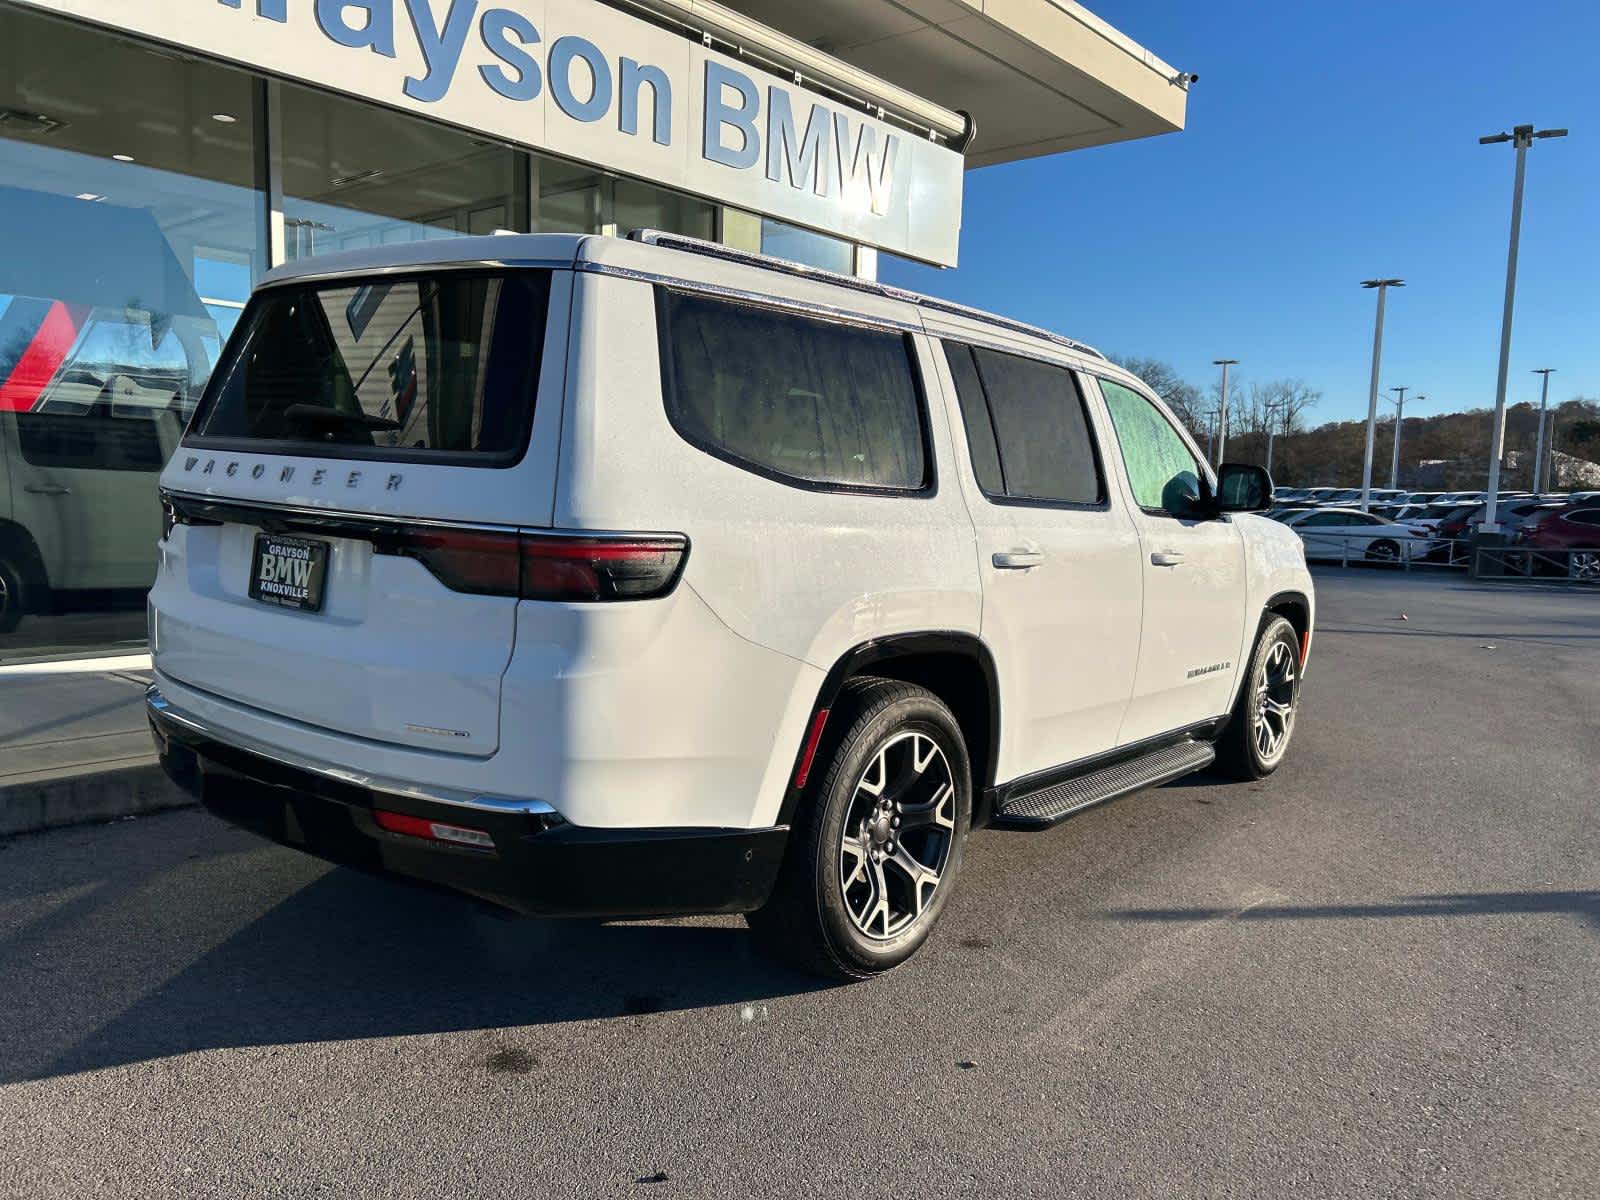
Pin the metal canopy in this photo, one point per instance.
(1039, 76)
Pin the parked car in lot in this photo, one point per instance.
(1452, 536)
(1568, 535)
(675, 608)
(1413, 515)
(1340, 534)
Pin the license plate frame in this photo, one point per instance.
(283, 585)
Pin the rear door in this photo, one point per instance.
(1193, 568)
(1059, 558)
(345, 552)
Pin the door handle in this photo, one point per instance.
(1166, 558)
(47, 489)
(1017, 560)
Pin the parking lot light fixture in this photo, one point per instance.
(1222, 408)
(1399, 415)
(1383, 286)
(1272, 410)
(1541, 483)
(1521, 138)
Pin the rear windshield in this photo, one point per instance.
(434, 366)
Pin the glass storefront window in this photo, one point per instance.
(357, 176)
(640, 206)
(803, 246)
(131, 229)
(578, 199)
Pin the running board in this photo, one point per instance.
(1051, 805)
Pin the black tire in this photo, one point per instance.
(814, 917)
(1240, 752)
(15, 594)
(1384, 550)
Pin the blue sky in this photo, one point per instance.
(1327, 143)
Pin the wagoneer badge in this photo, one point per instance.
(318, 476)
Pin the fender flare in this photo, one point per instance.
(858, 659)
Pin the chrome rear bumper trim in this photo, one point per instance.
(162, 712)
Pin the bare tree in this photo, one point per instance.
(1282, 402)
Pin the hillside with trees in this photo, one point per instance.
(1449, 451)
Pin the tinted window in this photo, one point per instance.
(1587, 516)
(434, 364)
(805, 398)
(1324, 519)
(96, 441)
(1030, 416)
(1165, 476)
(981, 445)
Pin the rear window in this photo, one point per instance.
(806, 400)
(441, 366)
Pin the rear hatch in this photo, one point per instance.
(342, 546)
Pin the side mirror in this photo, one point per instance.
(1243, 487)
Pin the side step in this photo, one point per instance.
(1052, 805)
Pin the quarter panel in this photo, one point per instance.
(809, 573)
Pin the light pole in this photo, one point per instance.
(1538, 453)
(1383, 286)
(1211, 430)
(1272, 429)
(1222, 409)
(1521, 137)
(1399, 413)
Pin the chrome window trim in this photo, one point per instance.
(337, 514)
(161, 710)
(692, 245)
(372, 518)
(806, 308)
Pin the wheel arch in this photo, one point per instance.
(16, 541)
(1295, 607)
(957, 667)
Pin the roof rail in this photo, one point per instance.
(693, 245)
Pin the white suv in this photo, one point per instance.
(644, 577)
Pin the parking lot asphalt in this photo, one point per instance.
(1373, 974)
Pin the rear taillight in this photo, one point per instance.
(540, 566)
(613, 568)
(483, 562)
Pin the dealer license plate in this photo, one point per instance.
(289, 572)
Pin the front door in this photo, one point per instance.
(1193, 566)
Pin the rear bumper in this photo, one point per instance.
(540, 864)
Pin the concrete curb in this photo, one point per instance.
(83, 799)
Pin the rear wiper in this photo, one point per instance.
(325, 415)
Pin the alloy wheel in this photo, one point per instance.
(898, 832)
(1586, 565)
(1272, 718)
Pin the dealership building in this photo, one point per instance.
(158, 156)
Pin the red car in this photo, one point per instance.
(1570, 535)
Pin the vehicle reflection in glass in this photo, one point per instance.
(104, 348)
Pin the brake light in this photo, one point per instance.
(557, 567)
(484, 563)
(432, 831)
(538, 566)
